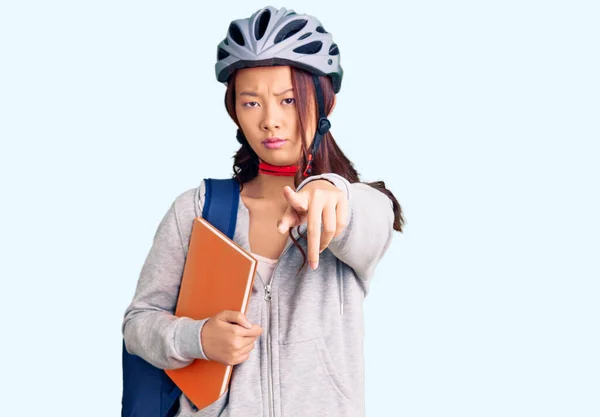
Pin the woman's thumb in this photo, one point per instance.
(289, 219)
(237, 317)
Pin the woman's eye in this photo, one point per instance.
(289, 100)
(250, 104)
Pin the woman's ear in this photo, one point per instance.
(333, 105)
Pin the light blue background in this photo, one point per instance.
(481, 117)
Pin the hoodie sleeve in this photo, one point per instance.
(150, 328)
(369, 230)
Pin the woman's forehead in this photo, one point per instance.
(271, 78)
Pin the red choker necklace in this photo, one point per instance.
(285, 171)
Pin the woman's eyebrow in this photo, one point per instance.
(253, 94)
(283, 92)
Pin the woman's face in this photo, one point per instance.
(266, 111)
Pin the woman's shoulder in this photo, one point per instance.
(188, 202)
(181, 214)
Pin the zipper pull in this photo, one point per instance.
(268, 292)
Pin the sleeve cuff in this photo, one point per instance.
(336, 179)
(188, 339)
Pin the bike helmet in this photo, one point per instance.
(279, 37)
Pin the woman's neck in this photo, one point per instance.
(269, 187)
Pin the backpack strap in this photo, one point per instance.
(221, 204)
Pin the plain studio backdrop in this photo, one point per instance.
(481, 117)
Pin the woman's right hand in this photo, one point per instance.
(229, 337)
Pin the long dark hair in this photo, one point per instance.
(328, 158)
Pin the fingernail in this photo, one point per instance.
(314, 265)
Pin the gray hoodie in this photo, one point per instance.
(309, 359)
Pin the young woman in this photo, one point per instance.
(317, 231)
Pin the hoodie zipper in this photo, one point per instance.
(269, 351)
(269, 371)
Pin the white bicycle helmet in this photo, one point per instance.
(279, 37)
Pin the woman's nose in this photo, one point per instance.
(271, 120)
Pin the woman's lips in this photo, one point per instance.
(274, 144)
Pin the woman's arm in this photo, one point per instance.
(150, 328)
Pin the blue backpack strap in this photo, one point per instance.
(221, 204)
(147, 390)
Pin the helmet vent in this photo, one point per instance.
(333, 50)
(290, 29)
(236, 34)
(306, 35)
(320, 29)
(222, 54)
(310, 48)
(261, 26)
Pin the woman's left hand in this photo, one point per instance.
(318, 202)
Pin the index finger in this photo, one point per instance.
(315, 210)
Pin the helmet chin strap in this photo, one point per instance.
(323, 126)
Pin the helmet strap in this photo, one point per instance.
(323, 125)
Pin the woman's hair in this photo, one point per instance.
(328, 158)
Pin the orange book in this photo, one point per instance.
(218, 275)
